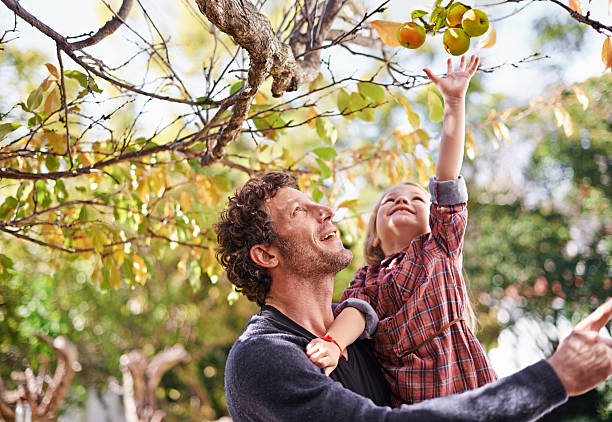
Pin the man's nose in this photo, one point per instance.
(324, 212)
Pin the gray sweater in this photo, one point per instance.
(268, 378)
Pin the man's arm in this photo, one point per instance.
(271, 379)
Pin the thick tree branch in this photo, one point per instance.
(65, 46)
(108, 28)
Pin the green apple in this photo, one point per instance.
(455, 14)
(456, 41)
(475, 22)
(410, 35)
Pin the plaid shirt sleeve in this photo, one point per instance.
(448, 214)
(357, 289)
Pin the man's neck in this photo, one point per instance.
(306, 302)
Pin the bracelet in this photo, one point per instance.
(331, 340)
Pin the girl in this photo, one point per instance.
(413, 276)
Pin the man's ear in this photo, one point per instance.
(264, 257)
(376, 242)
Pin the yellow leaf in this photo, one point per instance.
(348, 203)
(85, 159)
(311, 117)
(185, 201)
(470, 144)
(140, 269)
(261, 98)
(413, 118)
(492, 114)
(501, 132)
(54, 235)
(207, 260)
(606, 54)
(82, 241)
(568, 125)
(52, 70)
(489, 39)
(559, 114)
(115, 276)
(386, 30)
(581, 97)
(575, 6)
(56, 141)
(51, 102)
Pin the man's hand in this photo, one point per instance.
(584, 359)
(454, 84)
(324, 354)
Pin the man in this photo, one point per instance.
(282, 250)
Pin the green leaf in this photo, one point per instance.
(8, 206)
(222, 183)
(98, 239)
(436, 109)
(344, 104)
(371, 91)
(317, 195)
(325, 171)
(326, 130)
(52, 162)
(83, 80)
(7, 128)
(235, 87)
(418, 14)
(325, 153)
(84, 214)
(35, 99)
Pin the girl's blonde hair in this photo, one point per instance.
(373, 255)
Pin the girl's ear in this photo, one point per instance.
(376, 242)
(263, 256)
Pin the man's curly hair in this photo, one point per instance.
(244, 223)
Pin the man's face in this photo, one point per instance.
(310, 243)
(403, 209)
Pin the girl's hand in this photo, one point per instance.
(324, 354)
(454, 84)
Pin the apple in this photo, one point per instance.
(455, 13)
(475, 22)
(410, 35)
(456, 41)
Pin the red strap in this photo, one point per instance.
(331, 339)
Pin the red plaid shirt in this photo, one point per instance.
(415, 293)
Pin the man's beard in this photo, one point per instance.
(309, 263)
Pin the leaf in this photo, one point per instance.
(85, 81)
(581, 97)
(325, 153)
(470, 144)
(413, 118)
(56, 141)
(52, 70)
(415, 14)
(236, 86)
(575, 6)
(489, 39)
(7, 128)
(311, 117)
(8, 206)
(140, 269)
(5, 264)
(325, 171)
(260, 97)
(501, 132)
(185, 201)
(386, 31)
(371, 91)
(326, 130)
(348, 203)
(344, 104)
(436, 109)
(606, 54)
(114, 276)
(84, 214)
(34, 99)
(98, 239)
(317, 195)
(51, 102)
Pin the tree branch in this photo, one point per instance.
(108, 28)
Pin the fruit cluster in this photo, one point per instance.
(461, 21)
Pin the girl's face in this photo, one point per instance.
(403, 214)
